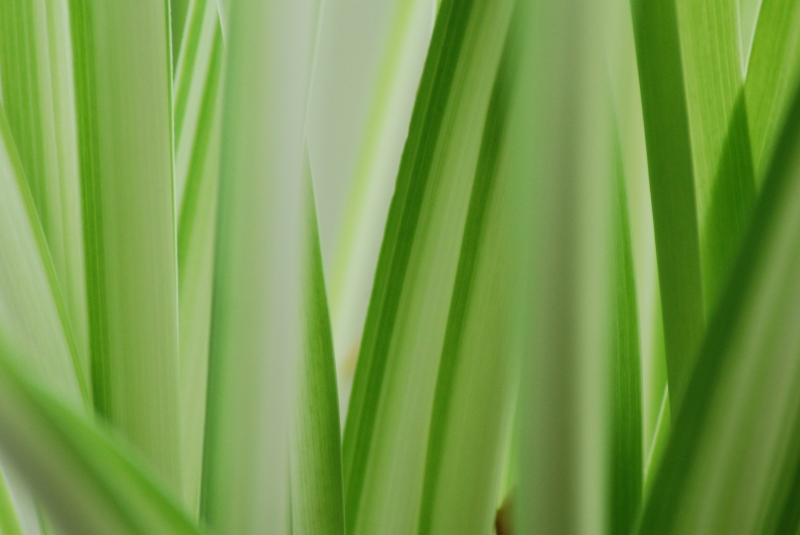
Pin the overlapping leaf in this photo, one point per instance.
(86, 481)
(389, 416)
(734, 440)
(123, 90)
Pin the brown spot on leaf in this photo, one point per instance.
(504, 517)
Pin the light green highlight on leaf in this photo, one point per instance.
(198, 89)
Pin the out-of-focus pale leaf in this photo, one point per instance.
(198, 125)
(84, 479)
(256, 336)
(561, 134)
(32, 316)
(9, 523)
(389, 416)
(367, 69)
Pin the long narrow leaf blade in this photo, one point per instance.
(357, 126)
(474, 389)
(669, 159)
(562, 150)
(124, 85)
(699, 158)
(256, 338)
(734, 442)
(316, 455)
(389, 415)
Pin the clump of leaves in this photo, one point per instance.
(541, 255)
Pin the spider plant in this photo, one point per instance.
(347, 267)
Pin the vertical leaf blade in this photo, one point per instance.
(387, 426)
(124, 87)
(256, 338)
(561, 132)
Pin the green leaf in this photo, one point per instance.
(626, 472)
(256, 337)
(471, 415)
(178, 15)
(734, 442)
(720, 144)
(772, 74)
(124, 85)
(388, 420)
(565, 158)
(38, 97)
(198, 130)
(316, 456)
(671, 180)
(701, 171)
(32, 317)
(9, 523)
(633, 160)
(86, 481)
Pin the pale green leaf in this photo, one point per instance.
(367, 68)
(39, 99)
(564, 154)
(389, 415)
(256, 337)
(32, 316)
(123, 87)
(197, 169)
